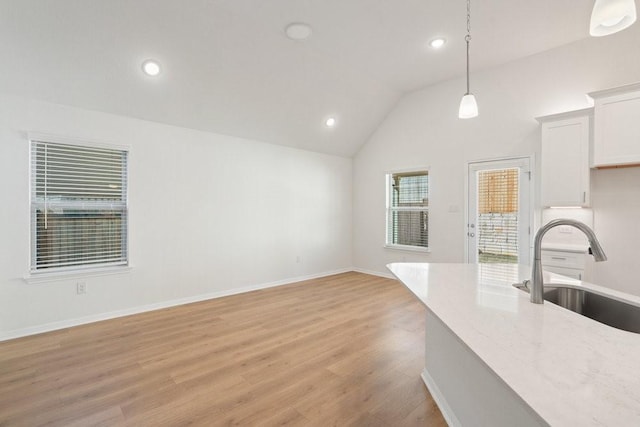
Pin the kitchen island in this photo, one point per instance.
(493, 358)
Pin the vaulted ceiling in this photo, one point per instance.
(228, 67)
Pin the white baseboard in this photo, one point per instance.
(444, 407)
(53, 326)
(373, 273)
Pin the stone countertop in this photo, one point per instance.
(568, 368)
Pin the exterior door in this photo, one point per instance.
(499, 211)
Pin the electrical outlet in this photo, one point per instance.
(298, 259)
(81, 288)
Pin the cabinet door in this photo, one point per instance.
(565, 162)
(571, 264)
(617, 130)
(571, 260)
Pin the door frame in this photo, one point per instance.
(508, 162)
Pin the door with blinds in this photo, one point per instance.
(498, 212)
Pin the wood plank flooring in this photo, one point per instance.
(344, 350)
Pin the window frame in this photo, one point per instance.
(389, 209)
(36, 275)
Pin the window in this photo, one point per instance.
(408, 210)
(497, 222)
(78, 206)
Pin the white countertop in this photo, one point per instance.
(571, 370)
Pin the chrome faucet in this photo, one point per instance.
(537, 287)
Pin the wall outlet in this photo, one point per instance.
(81, 288)
(298, 259)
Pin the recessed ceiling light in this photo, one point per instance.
(151, 67)
(437, 43)
(298, 31)
(330, 122)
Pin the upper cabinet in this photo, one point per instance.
(565, 174)
(616, 140)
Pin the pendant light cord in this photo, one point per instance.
(467, 38)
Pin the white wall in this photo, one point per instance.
(209, 214)
(616, 198)
(424, 130)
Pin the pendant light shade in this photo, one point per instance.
(611, 16)
(468, 107)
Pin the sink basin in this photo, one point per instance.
(618, 314)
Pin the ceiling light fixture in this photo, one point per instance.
(611, 16)
(330, 122)
(468, 105)
(298, 31)
(151, 67)
(437, 43)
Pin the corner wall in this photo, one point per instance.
(423, 130)
(209, 215)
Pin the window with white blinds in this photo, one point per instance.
(408, 210)
(498, 215)
(78, 206)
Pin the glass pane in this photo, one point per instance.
(68, 237)
(410, 190)
(497, 225)
(68, 172)
(409, 228)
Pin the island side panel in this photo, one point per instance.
(467, 392)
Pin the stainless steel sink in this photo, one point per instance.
(618, 314)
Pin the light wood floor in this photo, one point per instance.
(345, 350)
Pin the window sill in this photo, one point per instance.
(407, 248)
(44, 277)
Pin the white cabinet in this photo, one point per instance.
(565, 173)
(616, 140)
(571, 264)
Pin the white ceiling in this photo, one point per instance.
(228, 67)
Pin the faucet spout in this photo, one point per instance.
(597, 251)
(537, 285)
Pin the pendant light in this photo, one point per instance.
(611, 16)
(468, 105)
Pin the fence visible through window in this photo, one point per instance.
(497, 224)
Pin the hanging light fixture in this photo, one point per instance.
(468, 105)
(611, 16)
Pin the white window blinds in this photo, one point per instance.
(498, 215)
(408, 209)
(78, 206)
